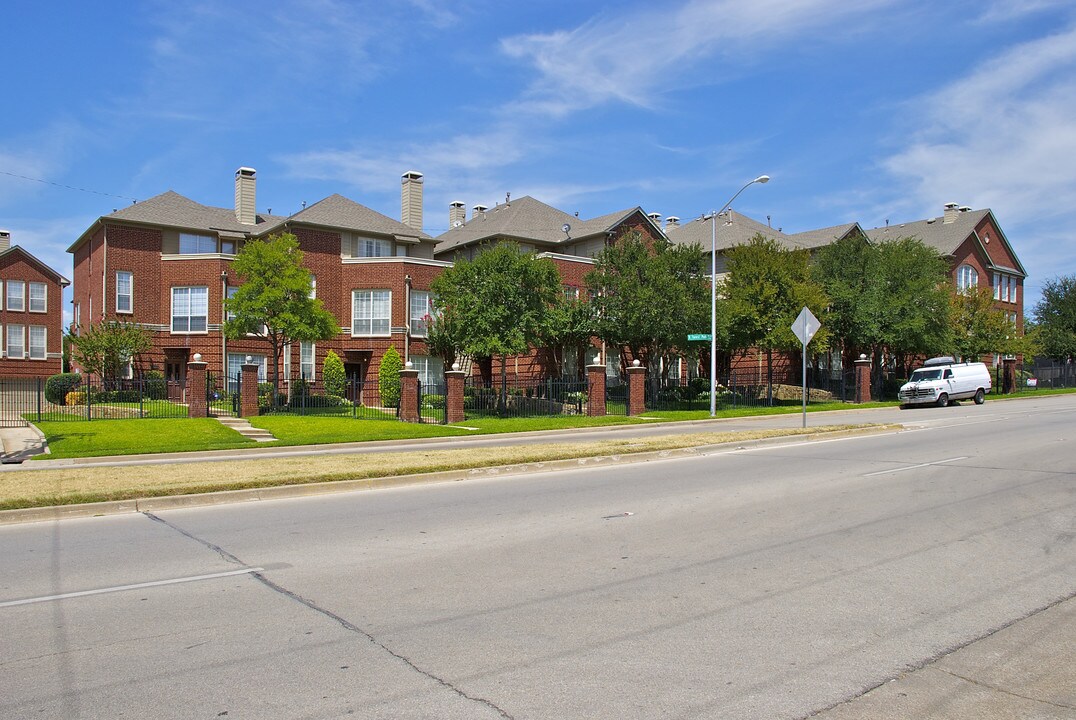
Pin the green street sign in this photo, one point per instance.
(699, 336)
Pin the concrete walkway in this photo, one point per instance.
(20, 443)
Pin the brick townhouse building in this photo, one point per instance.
(31, 314)
(570, 242)
(971, 241)
(165, 264)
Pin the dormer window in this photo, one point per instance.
(193, 244)
(371, 247)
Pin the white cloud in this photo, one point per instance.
(1002, 137)
(1006, 10)
(38, 156)
(633, 57)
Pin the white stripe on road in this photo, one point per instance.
(913, 467)
(120, 588)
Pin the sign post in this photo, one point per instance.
(804, 328)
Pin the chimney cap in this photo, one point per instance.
(456, 204)
(951, 205)
(653, 215)
(965, 208)
(249, 171)
(673, 218)
(480, 208)
(412, 175)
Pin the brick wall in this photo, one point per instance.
(16, 265)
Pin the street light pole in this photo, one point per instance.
(761, 180)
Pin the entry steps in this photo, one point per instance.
(244, 428)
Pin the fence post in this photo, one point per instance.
(549, 396)
(863, 379)
(248, 390)
(141, 396)
(596, 390)
(409, 394)
(454, 412)
(197, 377)
(636, 391)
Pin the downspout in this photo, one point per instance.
(407, 317)
(104, 273)
(223, 319)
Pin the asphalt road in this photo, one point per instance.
(766, 583)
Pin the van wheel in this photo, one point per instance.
(943, 400)
(980, 397)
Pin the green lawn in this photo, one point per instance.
(71, 439)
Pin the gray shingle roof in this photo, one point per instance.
(529, 220)
(339, 212)
(824, 236)
(173, 210)
(524, 219)
(735, 229)
(934, 232)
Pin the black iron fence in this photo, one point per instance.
(361, 399)
(75, 397)
(527, 398)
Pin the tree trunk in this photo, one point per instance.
(769, 376)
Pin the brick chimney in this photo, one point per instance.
(457, 213)
(5, 240)
(411, 199)
(951, 211)
(244, 196)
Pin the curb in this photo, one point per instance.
(280, 492)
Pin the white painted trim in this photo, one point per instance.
(567, 258)
(394, 259)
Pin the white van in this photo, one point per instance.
(942, 380)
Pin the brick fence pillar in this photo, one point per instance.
(248, 391)
(1009, 381)
(409, 396)
(454, 396)
(197, 378)
(596, 390)
(863, 379)
(636, 389)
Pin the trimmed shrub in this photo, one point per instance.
(433, 401)
(332, 374)
(154, 385)
(58, 386)
(75, 397)
(388, 378)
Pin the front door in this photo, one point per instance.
(175, 374)
(355, 372)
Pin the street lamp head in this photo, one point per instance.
(762, 179)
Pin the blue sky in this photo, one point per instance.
(864, 111)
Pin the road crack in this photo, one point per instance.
(1003, 691)
(343, 622)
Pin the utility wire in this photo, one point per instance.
(69, 187)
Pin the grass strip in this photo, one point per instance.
(42, 488)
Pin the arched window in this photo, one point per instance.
(966, 278)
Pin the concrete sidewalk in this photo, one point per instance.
(20, 443)
(1024, 671)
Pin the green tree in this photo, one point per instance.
(273, 302)
(570, 325)
(889, 299)
(1055, 318)
(766, 288)
(388, 378)
(105, 349)
(978, 326)
(649, 297)
(443, 338)
(497, 304)
(332, 374)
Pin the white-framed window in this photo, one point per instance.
(306, 360)
(237, 360)
(190, 309)
(966, 278)
(39, 297)
(612, 362)
(571, 294)
(421, 309)
(401, 250)
(38, 342)
(227, 247)
(16, 295)
(286, 361)
(124, 292)
(313, 286)
(1012, 289)
(78, 319)
(194, 244)
(999, 279)
(371, 312)
(431, 370)
(372, 247)
(16, 342)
